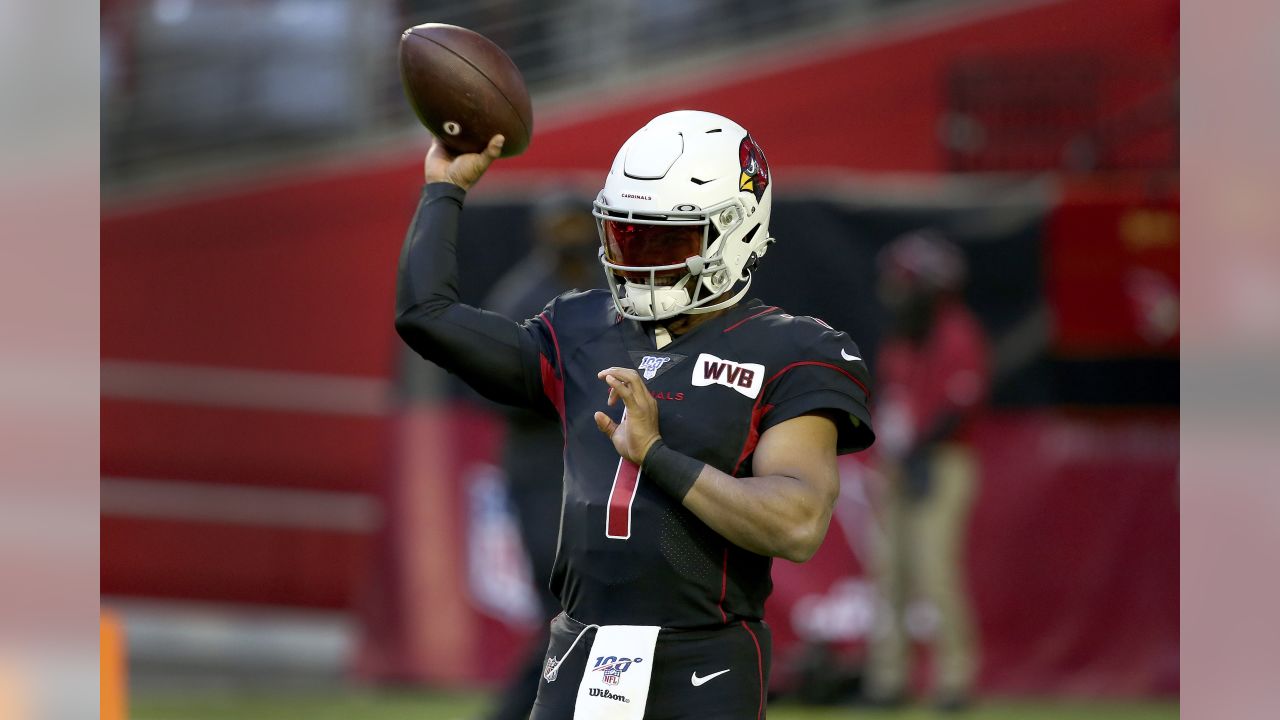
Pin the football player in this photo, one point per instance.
(701, 428)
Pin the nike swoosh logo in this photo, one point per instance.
(698, 681)
(847, 356)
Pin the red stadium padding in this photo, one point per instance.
(443, 576)
(1072, 558)
(287, 278)
(244, 446)
(1113, 271)
(233, 563)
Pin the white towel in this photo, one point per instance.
(615, 685)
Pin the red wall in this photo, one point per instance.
(874, 104)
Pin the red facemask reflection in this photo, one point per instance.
(641, 245)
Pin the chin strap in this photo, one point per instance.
(647, 296)
(649, 302)
(723, 303)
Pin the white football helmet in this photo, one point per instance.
(683, 216)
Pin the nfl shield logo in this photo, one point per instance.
(612, 675)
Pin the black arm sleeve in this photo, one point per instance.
(503, 360)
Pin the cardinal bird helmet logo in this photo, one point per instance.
(755, 169)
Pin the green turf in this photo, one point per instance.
(1002, 710)
(455, 706)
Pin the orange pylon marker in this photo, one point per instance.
(111, 651)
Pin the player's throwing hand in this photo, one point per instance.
(638, 430)
(462, 170)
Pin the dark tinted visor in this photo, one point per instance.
(642, 245)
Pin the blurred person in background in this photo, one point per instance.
(934, 377)
(563, 258)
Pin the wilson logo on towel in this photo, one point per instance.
(601, 692)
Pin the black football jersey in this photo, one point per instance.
(628, 552)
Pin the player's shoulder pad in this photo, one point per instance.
(576, 303)
(578, 314)
(811, 340)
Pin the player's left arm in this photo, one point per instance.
(782, 511)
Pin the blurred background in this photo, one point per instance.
(299, 519)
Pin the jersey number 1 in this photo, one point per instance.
(617, 523)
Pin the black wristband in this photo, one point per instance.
(670, 470)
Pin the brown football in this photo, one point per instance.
(464, 88)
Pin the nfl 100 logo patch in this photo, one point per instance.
(652, 364)
(612, 667)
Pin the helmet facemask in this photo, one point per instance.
(660, 266)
